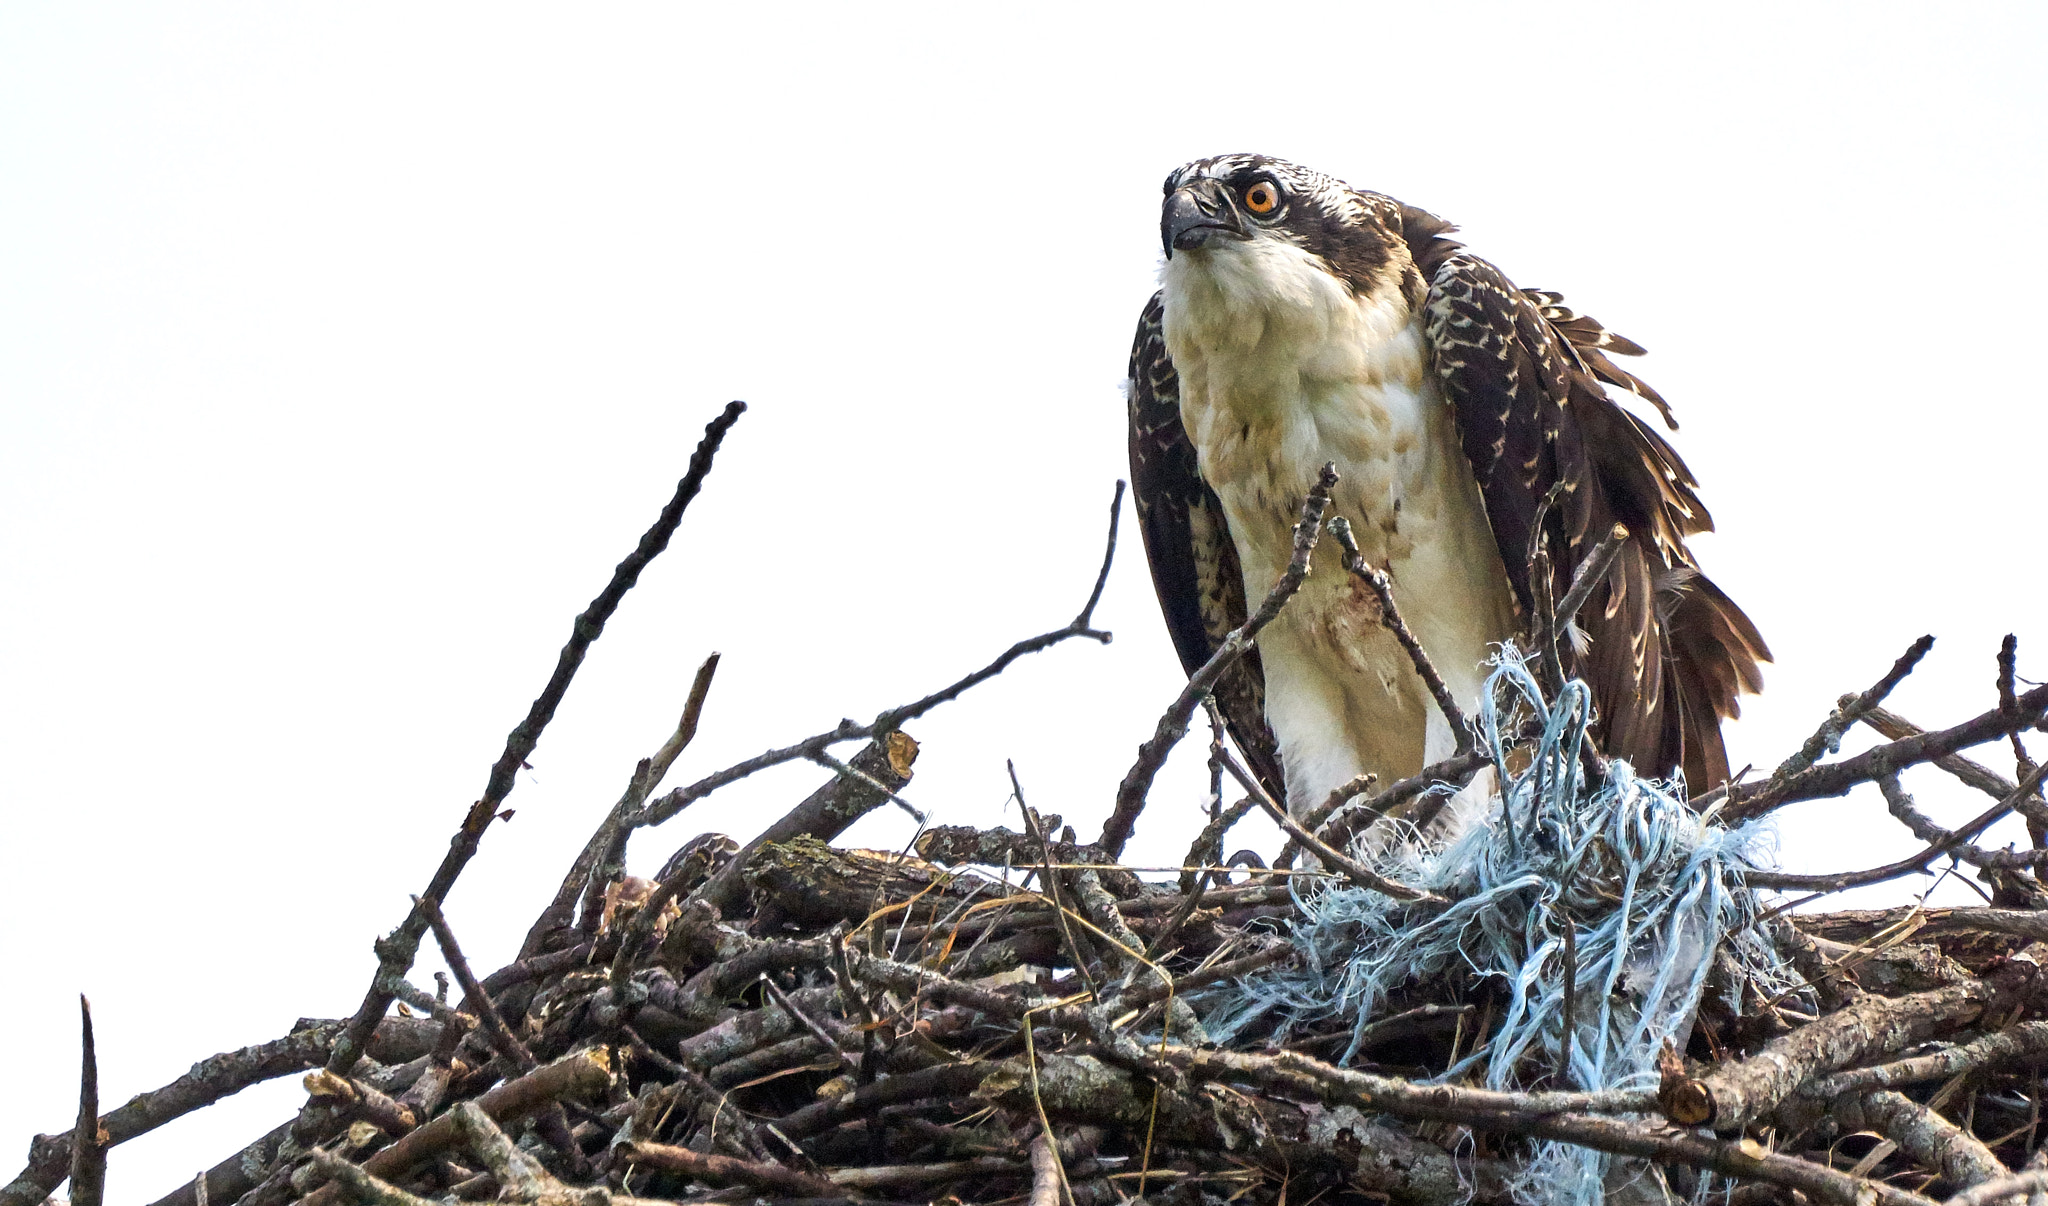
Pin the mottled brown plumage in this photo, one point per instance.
(1664, 650)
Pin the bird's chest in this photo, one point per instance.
(1271, 392)
(1276, 385)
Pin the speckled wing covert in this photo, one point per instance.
(1194, 561)
(1666, 652)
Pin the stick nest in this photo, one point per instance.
(1014, 1016)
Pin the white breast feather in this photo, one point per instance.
(1281, 370)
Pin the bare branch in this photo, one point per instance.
(1353, 870)
(553, 1123)
(1740, 1092)
(1137, 782)
(1570, 1117)
(1116, 510)
(1314, 818)
(686, 728)
(726, 1170)
(2008, 701)
(603, 858)
(1591, 572)
(2025, 1041)
(888, 721)
(1828, 737)
(2005, 1189)
(1971, 773)
(395, 953)
(1390, 618)
(1045, 1174)
(1454, 771)
(88, 1149)
(1836, 778)
(865, 779)
(208, 1081)
(1954, 842)
(575, 1075)
(1923, 1135)
(826, 812)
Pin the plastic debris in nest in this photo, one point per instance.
(1647, 888)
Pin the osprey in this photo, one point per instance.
(1301, 321)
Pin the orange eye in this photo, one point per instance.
(1260, 198)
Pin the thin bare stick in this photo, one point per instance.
(1314, 819)
(726, 1170)
(1836, 778)
(603, 856)
(1082, 625)
(396, 952)
(603, 859)
(1455, 770)
(1137, 782)
(2004, 1189)
(804, 1019)
(1216, 735)
(2023, 763)
(686, 728)
(208, 1081)
(553, 1123)
(1966, 770)
(1591, 572)
(1146, 994)
(1050, 879)
(1948, 843)
(2008, 675)
(1828, 737)
(1353, 870)
(860, 776)
(1901, 806)
(1116, 509)
(88, 1149)
(1208, 845)
(1382, 589)
(475, 1000)
(1207, 849)
(894, 718)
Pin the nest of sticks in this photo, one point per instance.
(1004, 1016)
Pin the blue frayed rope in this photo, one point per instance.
(1648, 888)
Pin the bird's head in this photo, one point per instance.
(1234, 206)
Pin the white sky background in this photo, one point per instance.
(344, 351)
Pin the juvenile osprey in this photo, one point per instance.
(1303, 321)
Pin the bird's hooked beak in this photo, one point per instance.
(1197, 212)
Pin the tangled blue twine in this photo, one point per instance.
(1648, 889)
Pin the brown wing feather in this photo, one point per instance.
(1194, 561)
(1667, 652)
